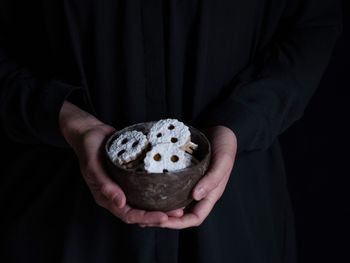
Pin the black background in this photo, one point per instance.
(317, 156)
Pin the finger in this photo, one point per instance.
(220, 168)
(135, 216)
(195, 218)
(138, 216)
(176, 213)
(98, 180)
(200, 210)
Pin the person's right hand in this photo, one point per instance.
(87, 135)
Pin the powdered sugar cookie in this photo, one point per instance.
(169, 131)
(166, 158)
(128, 147)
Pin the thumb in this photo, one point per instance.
(219, 169)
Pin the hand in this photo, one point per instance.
(86, 135)
(211, 187)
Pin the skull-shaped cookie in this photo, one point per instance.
(169, 131)
(166, 158)
(128, 147)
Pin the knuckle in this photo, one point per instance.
(93, 185)
(106, 190)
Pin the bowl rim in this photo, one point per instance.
(112, 136)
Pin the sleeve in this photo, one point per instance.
(272, 92)
(30, 105)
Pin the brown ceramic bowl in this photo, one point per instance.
(160, 191)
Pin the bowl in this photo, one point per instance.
(159, 191)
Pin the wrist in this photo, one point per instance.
(74, 121)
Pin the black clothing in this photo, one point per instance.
(249, 65)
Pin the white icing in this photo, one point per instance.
(166, 157)
(128, 146)
(169, 131)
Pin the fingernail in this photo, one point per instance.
(180, 213)
(199, 194)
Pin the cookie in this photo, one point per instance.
(169, 131)
(128, 147)
(166, 158)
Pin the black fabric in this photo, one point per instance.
(250, 65)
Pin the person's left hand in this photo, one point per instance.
(211, 187)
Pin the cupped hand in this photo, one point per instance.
(87, 135)
(211, 187)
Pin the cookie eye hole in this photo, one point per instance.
(174, 158)
(124, 141)
(165, 171)
(171, 127)
(135, 144)
(159, 135)
(120, 153)
(157, 157)
(173, 140)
